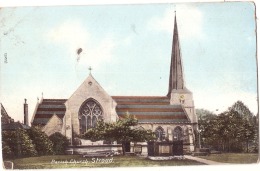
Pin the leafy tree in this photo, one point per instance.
(204, 114)
(249, 131)
(233, 130)
(19, 143)
(122, 131)
(207, 128)
(43, 144)
(60, 142)
(229, 128)
(244, 111)
(6, 151)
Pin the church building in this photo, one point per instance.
(171, 116)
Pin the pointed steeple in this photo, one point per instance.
(176, 80)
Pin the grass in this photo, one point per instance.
(68, 161)
(241, 158)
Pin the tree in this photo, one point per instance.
(43, 144)
(6, 151)
(207, 128)
(243, 110)
(249, 130)
(60, 142)
(247, 133)
(122, 131)
(204, 114)
(233, 130)
(229, 127)
(19, 143)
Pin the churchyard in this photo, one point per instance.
(78, 161)
(240, 158)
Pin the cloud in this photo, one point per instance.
(101, 53)
(219, 101)
(72, 35)
(223, 90)
(189, 20)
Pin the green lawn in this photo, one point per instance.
(68, 161)
(233, 157)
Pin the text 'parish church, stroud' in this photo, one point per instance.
(171, 116)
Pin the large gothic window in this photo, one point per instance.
(177, 133)
(89, 113)
(159, 132)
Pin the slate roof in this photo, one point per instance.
(147, 109)
(8, 122)
(47, 108)
(5, 118)
(151, 109)
(14, 126)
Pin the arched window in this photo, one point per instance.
(177, 133)
(159, 132)
(89, 113)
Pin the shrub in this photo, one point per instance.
(19, 143)
(60, 142)
(6, 151)
(43, 144)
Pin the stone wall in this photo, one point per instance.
(185, 97)
(53, 125)
(91, 148)
(88, 89)
(94, 148)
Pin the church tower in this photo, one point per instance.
(177, 91)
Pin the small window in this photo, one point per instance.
(182, 101)
(177, 133)
(159, 132)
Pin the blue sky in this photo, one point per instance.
(129, 49)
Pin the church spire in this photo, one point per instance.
(176, 80)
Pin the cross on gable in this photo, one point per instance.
(89, 68)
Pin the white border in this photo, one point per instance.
(20, 3)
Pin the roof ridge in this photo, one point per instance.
(139, 96)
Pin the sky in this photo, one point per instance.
(129, 50)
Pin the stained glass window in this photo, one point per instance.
(90, 112)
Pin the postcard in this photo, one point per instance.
(129, 85)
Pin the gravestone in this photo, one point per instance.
(173, 148)
(177, 148)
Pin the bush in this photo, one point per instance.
(43, 144)
(60, 142)
(19, 143)
(6, 151)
